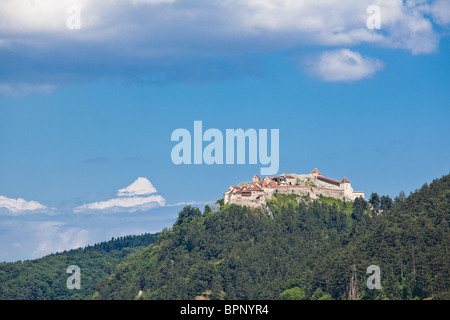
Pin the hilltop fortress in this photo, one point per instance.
(255, 193)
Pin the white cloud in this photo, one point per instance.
(136, 197)
(342, 65)
(20, 88)
(29, 239)
(440, 10)
(150, 40)
(20, 206)
(290, 22)
(407, 26)
(185, 203)
(141, 186)
(37, 16)
(404, 24)
(152, 1)
(51, 236)
(128, 204)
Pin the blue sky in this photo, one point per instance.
(84, 113)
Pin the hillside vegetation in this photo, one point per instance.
(309, 250)
(46, 278)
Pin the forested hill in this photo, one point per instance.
(309, 250)
(46, 278)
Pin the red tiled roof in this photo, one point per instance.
(329, 180)
(315, 171)
(255, 187)
(345, 180)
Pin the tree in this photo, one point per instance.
(353, 291)
(187, 213)
(401, 196)
(374, 200)
(320, 295)
(294, 293)
(359, 205)
(385, 203)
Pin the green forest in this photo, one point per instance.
(45, 278)
(310, 249)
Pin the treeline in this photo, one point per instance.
(116, 244)
(309, 250)
(45, 278)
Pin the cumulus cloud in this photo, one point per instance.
(9, 206)
(341, 65)
(141, 186)
(158, 39)
(440, 10)
(297, 22)
(136, 197)
(37, 16)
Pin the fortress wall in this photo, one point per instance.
(339, 194)
(323, 184)
(355, 195)
(303, 191)
(248, 201)
(299, 190)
